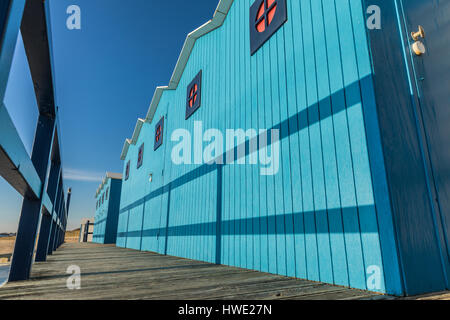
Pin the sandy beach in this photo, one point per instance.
(7, 245)
(72, 236)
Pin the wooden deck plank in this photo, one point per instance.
(108, 272)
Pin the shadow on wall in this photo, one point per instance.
(351, 223)
(292, 125)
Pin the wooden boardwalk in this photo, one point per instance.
(108, 272)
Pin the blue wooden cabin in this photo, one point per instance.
(107, 209)
(361, 197)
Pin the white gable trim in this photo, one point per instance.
(217, 21)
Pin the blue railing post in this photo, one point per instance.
(44, 233)
(58, 218)
(47, 219)
(50, 242)
(56, 206)
(66, 215)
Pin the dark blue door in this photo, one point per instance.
(431, 77)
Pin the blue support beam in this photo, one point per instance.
(47, 219)
(60, 204)
(10, 18)
(51, 240)
(64, 217)
(52, 189)
(31, 209)
(35, 37)
(69, 196)
(58, 213)
(16, 166)
(46, 202)
(44, 233)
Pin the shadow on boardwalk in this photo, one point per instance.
(108, 272)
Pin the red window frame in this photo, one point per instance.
(127, 170)
(194, 95)
(159, 134)
(266, 17)
(140, 156)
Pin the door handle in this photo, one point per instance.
(419, 34)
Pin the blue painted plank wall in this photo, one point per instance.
(316, 217)
(402, 143)
(101, 214)
(107, 213)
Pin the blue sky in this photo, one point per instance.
(105, 76)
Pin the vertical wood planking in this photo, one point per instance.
(186, 189)
(164, 197)
(248, 113)
(168, 168)
(236, 107)
(221, 123)
(233, 110)
(315, 218)
(342, 166)
(211, 177)
(188, 219)
(182, 239)
(179, 192)
(173, 212)
(243, 111)
(351, 218)
(276, 104)
(310, 140)
(203, 182)
(208, 178)
(255, 106)
(236, 111)
(328, 147)
(227, 170)
(296, 90)
(197, 197)
(286, 154)
(165, 210)
(262, 179)
(365, 197)
(230, 118)
(193, 214)
(135, 218)
(147, 242)
(216, 205)
(329, 179)
(270, 180)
